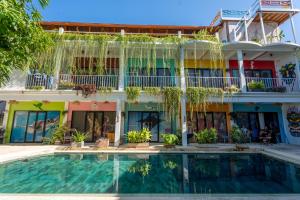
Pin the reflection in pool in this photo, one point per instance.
(142, 173)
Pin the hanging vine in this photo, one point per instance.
(172, 97)
(133, 93)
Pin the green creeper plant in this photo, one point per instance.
(133, 93)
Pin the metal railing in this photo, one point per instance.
(212, 82)
(284, 4)
(151, 81)
(272, 84)
(67, 81)
(39, 81)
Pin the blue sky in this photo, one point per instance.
(166, 12)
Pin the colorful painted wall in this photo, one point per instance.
(204, 64)
(149, 107)
(263, 108)
(261, 65)
(90, 106)
(31, 106)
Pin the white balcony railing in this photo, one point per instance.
(277, 4)
(42, 81)
(212, 82)
(67, 81)
(272, 84)
(151, 81)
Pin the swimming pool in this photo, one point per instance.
(154, 173)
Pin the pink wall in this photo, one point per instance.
(90, 106)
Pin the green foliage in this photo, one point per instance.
(232, 90)
(139, 136)
(198, 97)
(37, 88)
(170, 165)
(172, 97)
(153, 91)
(133, 93)
(237, 135)
(140, 167)
(105, 90)
(21, 37)
(256, 85)
(206, 136)
(170, 139)
(78, 136)
(59, 134)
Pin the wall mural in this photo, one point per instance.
(293, 117)
(288, 71)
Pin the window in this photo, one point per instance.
(201, 121)
(154, 121)
(254, 73)
(32, 126)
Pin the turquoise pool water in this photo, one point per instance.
(139, 173)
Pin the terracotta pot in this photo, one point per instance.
(138, 145)
(78, 144)
(169, 146)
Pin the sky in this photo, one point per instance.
(160, 12)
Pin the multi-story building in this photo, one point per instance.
(253, 57)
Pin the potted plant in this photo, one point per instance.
(206, 136)
(238, 137)
(256, 86)
(78, 139)
(139, 139)
(58, 136)
(65, 85)
(170, 140)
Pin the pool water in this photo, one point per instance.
(160, 173)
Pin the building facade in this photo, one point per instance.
(252, 52)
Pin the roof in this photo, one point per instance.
(128, 28)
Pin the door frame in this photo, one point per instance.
(27, 120)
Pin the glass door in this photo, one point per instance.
(19, 127)
(39, 127)
(151, 121)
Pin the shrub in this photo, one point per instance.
(139, 136)
(59, 134)
(237, 135)
(170, 139)
(78, 136)
(206, 136)
(256, 85)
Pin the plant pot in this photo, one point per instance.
(169, 146)
(241, 147)
(57, 142)
(138, 145)
(256, 90)
(78, 144)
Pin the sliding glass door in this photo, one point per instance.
(32, 126)
(94, 124)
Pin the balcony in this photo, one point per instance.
(67, 81)
(212, 82)
(39, 81)
(151, 81)
(272, 84)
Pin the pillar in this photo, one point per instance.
(58, 57)
(243, 84)
(121, 66)
(118, 123)
(293, 28)
(183, 99)
(262, 27)
(246, 30)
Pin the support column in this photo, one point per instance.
(262, 27)
(5, 118)
(243, 84)
(183, 99)
(121, 66)
(246, 30)
(121, 88)
(118, 123)
(65, 119)
(293, 27)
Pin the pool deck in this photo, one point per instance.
(285, 152)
